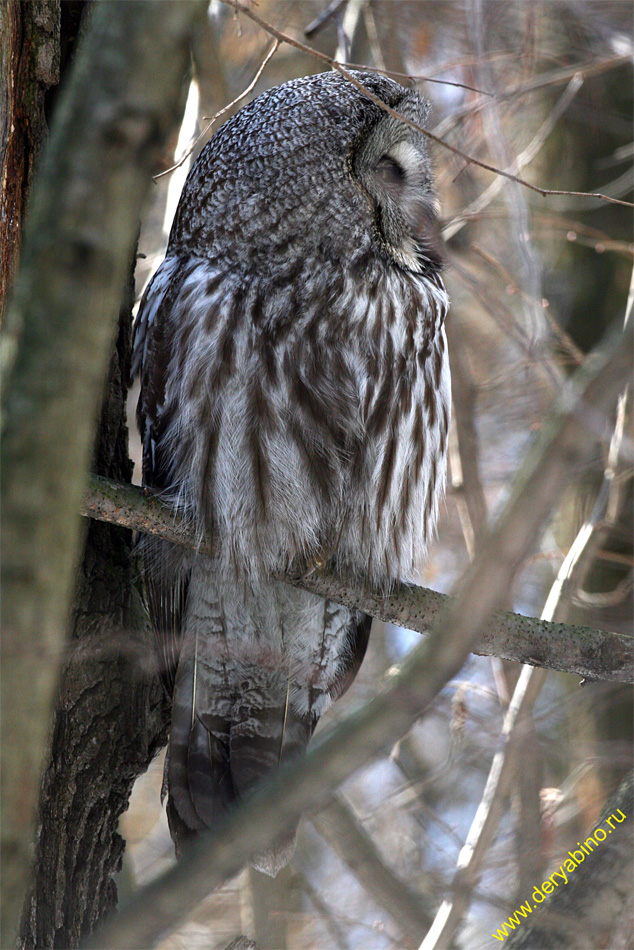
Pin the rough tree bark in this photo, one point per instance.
(29, 66)
(302, 786)
(111, 716)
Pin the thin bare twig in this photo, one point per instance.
(221, 112)
(347, 29)
(573, 230)
(526, 156)
(553, 78)
(488, 814)
(566, 341)
(540, 359)
(337, 825)
(285, 38)
(330, 920)
(417, 78)
(315, 25)
(556, 76)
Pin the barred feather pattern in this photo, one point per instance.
(296, 406)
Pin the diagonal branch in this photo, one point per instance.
(305, 784)
(339, 827)
(212, 119)
(524, 158)
(598, 895)
(570, 648)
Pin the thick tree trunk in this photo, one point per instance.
(29, 65)
(111, 716)
(122, 102)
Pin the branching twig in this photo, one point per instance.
(303, 785)
(488, 814)
(526, 156)
(552, 78)
(221, 112)
(574, 353)
(416, 78)
(285, 38)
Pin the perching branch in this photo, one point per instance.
(570, 648)
(486, 821)
(505, 762)
(303, 785)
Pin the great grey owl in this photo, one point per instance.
(295, 401)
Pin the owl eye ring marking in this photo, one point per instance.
(389, 172)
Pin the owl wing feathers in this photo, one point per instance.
(166, 573)
(242, 700)
(166, 585)
(246, 701)
(352, 656)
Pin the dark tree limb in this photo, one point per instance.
(570, 648)
(598, 891)
(304, 785)
(119, 107)
(111, 715)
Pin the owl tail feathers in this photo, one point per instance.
(259, 743)
(215, 761)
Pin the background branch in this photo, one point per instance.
(598, 892)
(517, 722)
(470, 159)
(338, 825)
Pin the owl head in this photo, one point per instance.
(316, 169)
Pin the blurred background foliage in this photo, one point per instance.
(534, 283)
